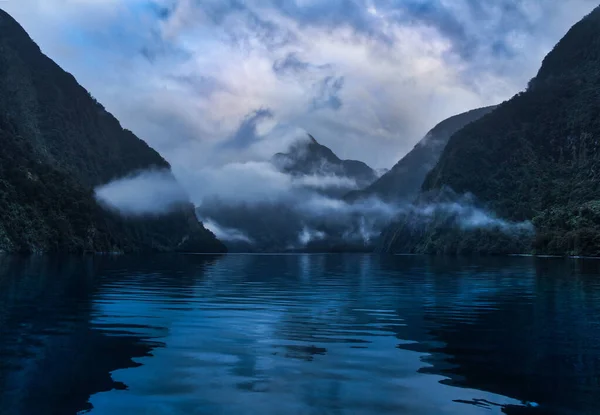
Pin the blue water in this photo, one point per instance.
(299, 334)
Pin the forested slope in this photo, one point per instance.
(536, 157)
(58, 143)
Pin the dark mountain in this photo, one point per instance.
(309, 158)
(403, 182)
(537, 156)
(382, 171)
(58, 143)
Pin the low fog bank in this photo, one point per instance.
(463, 212)
(149, 192)
(313, 222)
(443, 222)
(256, 182)
(252, 206)
(227, 235)
(300, 222)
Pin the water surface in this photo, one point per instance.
(299, 334)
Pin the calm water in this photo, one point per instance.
(305, 334)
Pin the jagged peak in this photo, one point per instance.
(312, 139)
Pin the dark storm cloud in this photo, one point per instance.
(290, 64)
(270, 34)
(218, 11)
(292, 67)
(198, 84)
(157, 49)
(246, 134)
(162, 12)
(435, 15)
(496, 22)
(331, 13)
(476, 31)
(470, 25)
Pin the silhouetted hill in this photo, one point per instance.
(404, 180)
(58, 143)
(309, 158)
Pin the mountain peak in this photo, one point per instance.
(312, 139)
(309, 158)
(578, 49)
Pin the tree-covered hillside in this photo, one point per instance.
(58, 143)
(537, 156)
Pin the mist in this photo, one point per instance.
(285, 215)
(226, 234)
(252, 206)
(468, 215)
(149, 192)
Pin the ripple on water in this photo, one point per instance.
(304, 334)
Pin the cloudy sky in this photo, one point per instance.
(213, 81)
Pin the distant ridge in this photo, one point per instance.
(403, 181)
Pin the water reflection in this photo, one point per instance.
(52, 358)
(322, 334)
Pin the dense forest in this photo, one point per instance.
(58, 144)
(535, 158)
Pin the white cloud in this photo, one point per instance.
(146, 193)
(309, 235)
(226, 234)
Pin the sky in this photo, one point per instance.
(215, 82)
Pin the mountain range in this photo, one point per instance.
(520, 177)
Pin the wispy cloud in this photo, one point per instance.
(151, 192)
(226, 234)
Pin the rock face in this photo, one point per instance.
(309, 158)
(403, 182)
(537, 156)
(58, 143)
